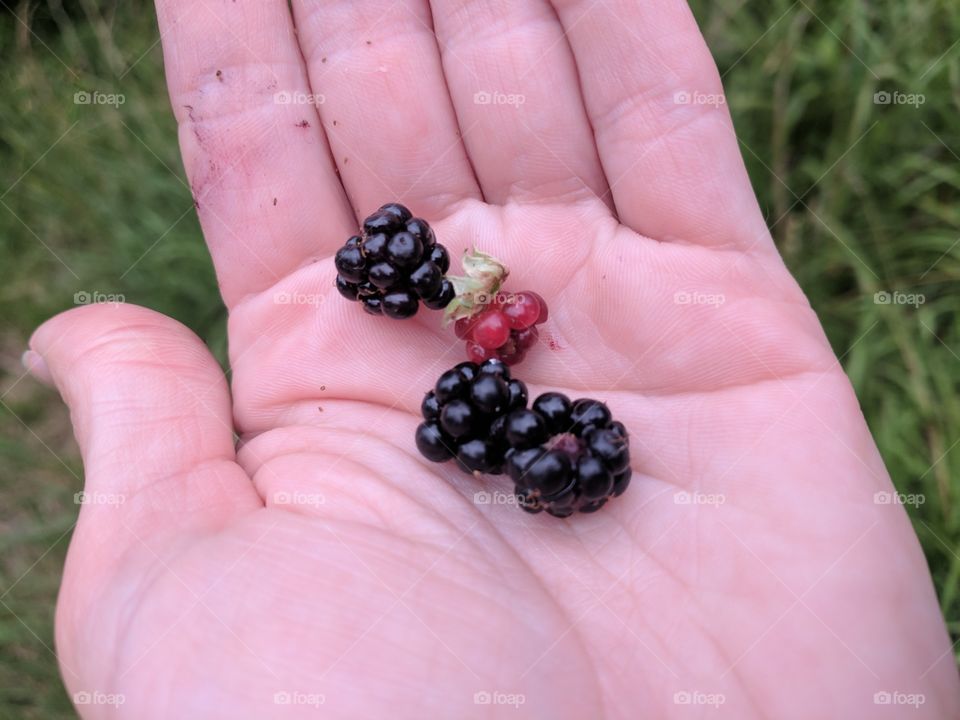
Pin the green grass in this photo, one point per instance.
(863, 198)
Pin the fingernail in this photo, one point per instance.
(37, 366)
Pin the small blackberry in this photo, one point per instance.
(394, 265)
(566, 456)
(465, 416)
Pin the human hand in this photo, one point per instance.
(749, 562)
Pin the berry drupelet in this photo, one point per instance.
(394, 264)
(464, 416)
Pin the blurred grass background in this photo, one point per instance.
(863, 197)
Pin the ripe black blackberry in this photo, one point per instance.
(566, 456)
(464, 416)
(394, 264)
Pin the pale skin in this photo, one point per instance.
(749, 563)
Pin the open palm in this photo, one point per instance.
(325, 567)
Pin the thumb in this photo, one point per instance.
(151, 413)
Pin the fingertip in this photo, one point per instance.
(34, 364)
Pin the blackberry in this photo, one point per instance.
(465, 416)
(566, 456)
(394, 264)
(563, 456)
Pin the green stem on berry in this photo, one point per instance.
(484, 274)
